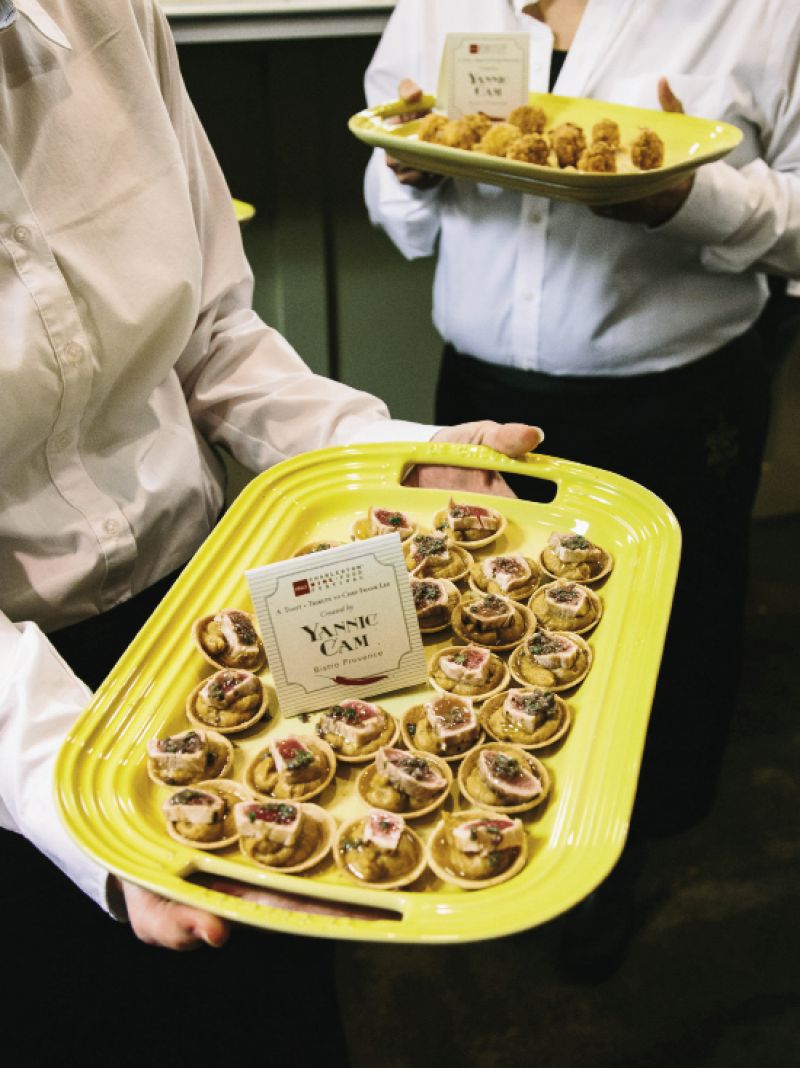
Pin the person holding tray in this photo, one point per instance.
(629, 327)
(130, 350)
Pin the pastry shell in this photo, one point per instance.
(194, 718)
(481, 584)
(220, 787)
(327, 827)
(517, 734)
(317, 546)
(408, 729)
(552, 566)
(360, 530)
(223, 764)
(426, 626)
(521, 611)
(440, 524)
(524, 757)
(388, 736)
(217, 660)
(538, 607)
(439, 863)
(367, 777)
(413, 873)
(314, 788)
(528, 673)
(498, 681)
(454, 569)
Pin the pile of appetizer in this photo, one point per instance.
(444, 788)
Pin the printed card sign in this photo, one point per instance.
(338, 623)
(483, 72)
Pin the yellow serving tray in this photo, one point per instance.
(689, 142)
(113, 810)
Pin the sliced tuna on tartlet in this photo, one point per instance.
(230, 700)
(380, 520)
(552, 660)
(379, 850)
(493, 621)
(531, 718)
(433, 556)
(572, 556)
(503, 778)
(434, 601)
(230, 639)
(317, 547)
(445, 725)
(476, 849)
(410, 782)
(468, 671)
(510, 575)
(471, 525)
(202, 815)
(293, 768)
(284, 836)
(188, 757)
(566, 606)
(356, 729)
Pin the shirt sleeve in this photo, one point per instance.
(245, 385)
(40, 699)
(749, 218)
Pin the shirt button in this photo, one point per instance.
(62, 441)
(21, 234)
(536, 217)
(527, 297)
(111, 528)
(73, 352)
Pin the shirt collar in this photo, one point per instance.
(35, 14)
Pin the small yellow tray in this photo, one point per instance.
(113, 810)
(689, 142)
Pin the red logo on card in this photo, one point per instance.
(301, 587)
(474, 49)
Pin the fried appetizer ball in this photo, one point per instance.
(467, 131)
(495, 141)
(432, 128)
(568, 142)
(607, 131)
(599, 158)
(529, 148)
(647, 150)
(530, 120)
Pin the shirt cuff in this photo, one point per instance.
(385, 430)
(715, 208)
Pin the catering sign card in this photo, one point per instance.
(338, 623)
(485, 72)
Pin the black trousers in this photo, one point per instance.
(695, 437)
(81, 988)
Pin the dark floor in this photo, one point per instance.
(712, 977)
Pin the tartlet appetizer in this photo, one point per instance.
(355, 730)
(571, 556)
(411, 783)
(293, 768)
(511, 575)
(188, 757)
(378, 850)
(317, 547)
(433, 556)
(284, 836)
(383, 521)
(551, 660)
(468, 671)
(471, 525)
(504, 778)
(203, 815)
(476, 849)
(434, 601)
(446, 726)
(530, 718)
(488, 619)
(229, 701)
(566, 605)
(229, 639)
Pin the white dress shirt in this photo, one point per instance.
(128, 344)
(548, 286)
